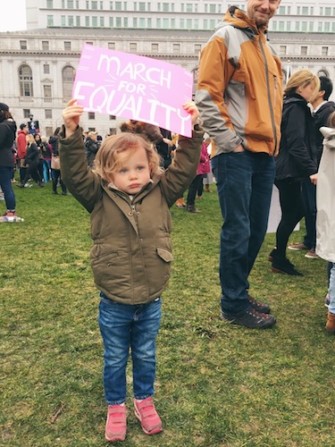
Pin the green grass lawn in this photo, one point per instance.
(218, 385)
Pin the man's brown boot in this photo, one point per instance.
(330, 325)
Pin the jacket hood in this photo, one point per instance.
(329, 134)
(238, 18)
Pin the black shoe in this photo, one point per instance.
(263, 308)
(272, 255)
(250, 318)
(283, 265)
(192, 209)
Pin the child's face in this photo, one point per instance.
(133, 172)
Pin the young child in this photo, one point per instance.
(128, 196)
(325, 245)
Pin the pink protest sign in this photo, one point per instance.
(135, 87)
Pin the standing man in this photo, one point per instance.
(240, 101)
(21, 146)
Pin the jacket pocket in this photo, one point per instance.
(165, 254)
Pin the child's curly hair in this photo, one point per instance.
(107, 160)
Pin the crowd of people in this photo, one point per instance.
(251, 132)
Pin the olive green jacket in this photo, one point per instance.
(132, 253)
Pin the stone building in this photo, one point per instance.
(37, 66)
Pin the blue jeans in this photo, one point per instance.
(124, 326)
(244, 184)
(6, 174)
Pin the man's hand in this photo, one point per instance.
(239, 148)
(71, 117)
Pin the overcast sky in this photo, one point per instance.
(13, 15)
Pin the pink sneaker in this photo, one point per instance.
(116, 423)
(146, 413)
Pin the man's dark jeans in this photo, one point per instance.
(244, 184)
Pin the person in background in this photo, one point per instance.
(92, 146)
(295, 162)
(7, 138)
(21, 145)
(239, 96)
(32, 161)
(325, 221)
(55, 164)
(128, 196)
(321, 110)
(165, 147)
(203, 168)
(46, 154)
(39, 144)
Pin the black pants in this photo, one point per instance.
(56, 175)
(291, 204)
(193, 189)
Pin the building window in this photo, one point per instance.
(48, 114)
(49, 131)
(324, 51)
(133, 46)
(67, 46)
(50, 4)
(176, 47)
(118, 6)
(112, 117)
(87, 21)
(26, 113)
(50, 21)
(45, 45)
(70, 4)
(282, 50)
(303, 51)
(111, 45)
(47, 93)
(23, 44)
(78, 21)
(26, 81)
(70, 21)
(91, 116)
(154, 47)
(68, 75)
(95, 21)
(94, 5)
(46, 69)
(197, 48)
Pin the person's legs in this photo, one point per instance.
(330, 325)
(262, 186)
(233, 172)
(7, 189)
(115, 322)
(308, 191)
(292, 212)
(144, 332)
(192, 191)
(234, 175)
(55, 173)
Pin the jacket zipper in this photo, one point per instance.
(269, 93)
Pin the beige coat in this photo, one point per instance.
(325, 191)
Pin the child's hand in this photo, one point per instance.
(71, 116)
(192, 109)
